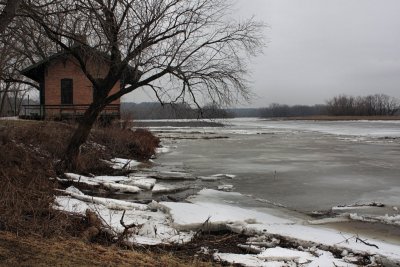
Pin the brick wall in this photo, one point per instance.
(82, 88)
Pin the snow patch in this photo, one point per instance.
(169, 188)
(113, 204)
(191, 216)
(163, 150)
(225, 187)
(143, 182)
(246, 260)
(387, 219)
(284, 254)
(100, 181)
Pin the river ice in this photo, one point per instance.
(303, 165)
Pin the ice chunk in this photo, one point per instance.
(113, 179)
(323, 236)
(164, 149)
(284, 257)
(82, 179)
(216, 177)
(100, 180)
(327, 259)
(284, 254)
(247, 260)
(74, 190)
(387, 219)
(122, 187)
(169, 188)
(107, 202)
(225, 187)
(152, 228)
(124, 164)
(142, 182)
(71, 205)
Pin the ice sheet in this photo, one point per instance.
(153, 227)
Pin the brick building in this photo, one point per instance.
(65, 91)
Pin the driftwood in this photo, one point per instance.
(127, 228)
(366, 243)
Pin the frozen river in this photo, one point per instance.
(303, 165)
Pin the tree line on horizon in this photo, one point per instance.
(341, 105)
(370, 105)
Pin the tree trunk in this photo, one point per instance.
(3, 99)
(81, 134)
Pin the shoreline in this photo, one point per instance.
(178, 221)
(336, 118)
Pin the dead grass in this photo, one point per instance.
(139, 144)
(49, 140)
(26, 192)
(33, 251)
(29, 153)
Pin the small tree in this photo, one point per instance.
(176, 48)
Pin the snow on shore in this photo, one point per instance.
(153, 227)
(281, 257)
(171, 222)
(103, 181)
(203, 212)
(142, 182)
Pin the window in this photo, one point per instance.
(67, 95)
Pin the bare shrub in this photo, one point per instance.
(26, 194)
(29, 154)
(139, 144)
(49, 139)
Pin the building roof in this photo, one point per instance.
(36, 71)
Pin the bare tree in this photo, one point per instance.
(8, 13)
(13, 56)
(178, 49)
(371, 105)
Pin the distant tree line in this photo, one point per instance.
(371, 105)
(342, 105)
(280, 110)
(154, 110)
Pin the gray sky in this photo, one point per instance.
(317, 49)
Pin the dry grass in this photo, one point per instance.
(26, 193)
(49, 140)
(140, 144)
(30, 152)
(33, 251)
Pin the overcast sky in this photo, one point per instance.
(317, 49)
